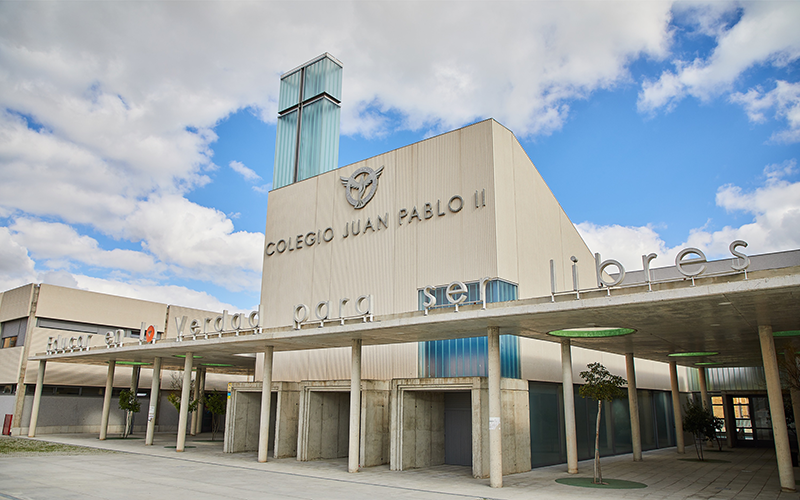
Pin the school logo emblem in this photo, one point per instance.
(361, 186)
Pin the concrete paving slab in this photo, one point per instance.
(202, 472)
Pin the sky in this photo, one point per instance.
(137, 138)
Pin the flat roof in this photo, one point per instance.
(712, 313)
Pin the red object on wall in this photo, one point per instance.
(7, 425)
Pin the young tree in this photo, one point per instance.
(131, 405)
(217, 406)
(600, 386)
(702, 424)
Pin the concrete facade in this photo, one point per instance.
(324, 417)
(417, 423)
(244, 414)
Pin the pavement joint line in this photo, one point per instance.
(9, 496)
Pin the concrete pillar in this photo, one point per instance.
(155, 389)
(266, 400)
(730, 422)
(569, 407)
(184, 411)
(778, 417)
(355, 407)
(495, 410)
(107, 399)
(701, 376)
(196, 396)
(633, 406)
(676, 406)
(37, 399)
(789, 356)
(200, 373)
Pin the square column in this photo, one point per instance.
(569, 407)
(37, 399)
(184, 412)
(676, 406)
(495, 409)
(633, 406)
(155, 389)
(777, 415)
(107, 399)
(266, 400)
(355, 407)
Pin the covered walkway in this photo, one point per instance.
(204, 471)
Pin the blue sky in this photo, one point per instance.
(136, 158)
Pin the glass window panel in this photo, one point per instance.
(716, 400)
(547, 429)
(319, 138)
(323, 76)
(285, 150)
(622, 426)
(290, 91)
(647, 422)
(665, 426)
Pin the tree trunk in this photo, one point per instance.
(598, 475)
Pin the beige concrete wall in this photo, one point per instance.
(9, 364)
(16, 303)
(395, 261)
(71, 304)
(417, 423)
(243, 419)
(324, 421)
(378, 362)
(532, 228)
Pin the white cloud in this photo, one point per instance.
(248, 174)
(626, 244)
(59, 242)
(16, 267)
(774, 208)
(107, 109)
(766, 33)
(784, 98)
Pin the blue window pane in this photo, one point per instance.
(319, 138)
(323, 76)
(285, 149)
(468, 357)
(290, 91)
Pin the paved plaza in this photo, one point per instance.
(203, 471)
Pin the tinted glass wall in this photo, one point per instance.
(548, 442)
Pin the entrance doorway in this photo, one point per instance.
(458, 428)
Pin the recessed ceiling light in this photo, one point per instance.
(724, 304)
(591, 332)
(707, 363)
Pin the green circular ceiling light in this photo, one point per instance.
(215, 364)
(691, 354)
(787, 333)
(183, 356)
(133, 363)
(591, 332)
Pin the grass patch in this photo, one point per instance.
(21, 446)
